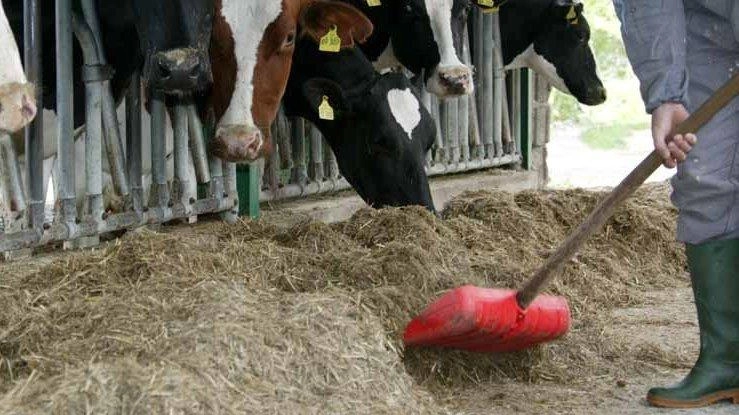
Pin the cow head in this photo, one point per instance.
(174, 38)
(252, 47)
(423, 39)
(17, 98)
(380, 136)
(563, 56)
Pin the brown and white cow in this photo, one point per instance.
(17, 100)
(251, 52)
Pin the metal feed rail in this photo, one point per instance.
(26, 227)
(485, 130)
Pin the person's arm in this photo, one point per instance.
(654, 35)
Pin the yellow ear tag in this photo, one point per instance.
(572, 16)
(374, 3)
(492, 8)
(325, 110)
(331, 42)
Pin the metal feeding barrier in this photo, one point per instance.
(490, 128)
(487, 129)
(27, 227)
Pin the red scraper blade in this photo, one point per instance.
(488, 320)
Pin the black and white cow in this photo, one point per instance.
(167, 40)
(420, 35)
(380, 132)
(552, 37)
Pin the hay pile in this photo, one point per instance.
(254, 318)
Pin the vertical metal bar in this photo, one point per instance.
(332, 165)
(230, 184)
(526, 98)
(281, 134)
(159, 190)
(316, 155)
(216, 189)
(94, 150)
(65, 115)
(479, 45)
(15, 181)
(464, 103)
(272, 177)
(34, 134)
(486, 115)
(499, 84)
(452, 130)
(439, 141)
(516, 113)
(300, 171)
(113, 140)
(426, 100)
(134, 155)
(182, 157)
(506, 134)
(197, 144)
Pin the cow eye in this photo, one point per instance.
(289, 40)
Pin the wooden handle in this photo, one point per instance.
(628, 186)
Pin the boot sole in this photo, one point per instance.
(730, 395)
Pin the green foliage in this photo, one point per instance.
(610, 136)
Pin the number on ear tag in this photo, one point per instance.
(325, 110)
(490, 4)
(331, 42)
(374, 3)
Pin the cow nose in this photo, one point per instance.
(456, 80)
(178, 71)
(596, 96)
(237, 143)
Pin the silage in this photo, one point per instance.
(216, 308)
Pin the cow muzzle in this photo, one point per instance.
(449, 82)
(179, 71)
(17, 106)
(238, 143)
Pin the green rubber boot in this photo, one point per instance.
(714, 270)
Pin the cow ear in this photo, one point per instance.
(319, 92)
(318, 18)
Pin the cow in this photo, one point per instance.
(422, 36)
(168, 41)
(251, 51)
(17, 96)
(377, 128)
(552, 37)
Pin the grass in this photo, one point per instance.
(610, 136)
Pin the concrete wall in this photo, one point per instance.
(541, 123)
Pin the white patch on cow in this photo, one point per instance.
(11, 70)
(405, 109)
(440, 13)
(530, 59)
(248, 20)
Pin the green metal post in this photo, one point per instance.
(247, 182)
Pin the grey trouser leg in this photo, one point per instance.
(706, 187)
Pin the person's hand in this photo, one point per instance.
(664, 120)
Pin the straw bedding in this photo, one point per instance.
(255, 318)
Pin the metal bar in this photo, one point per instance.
(134, 156)
(316, 155)
(487, 113)
(439, 140)
(272, 177)
(160, 198)
(332, 165)
(34, 134)
(426, 100)
(297, 132)
(232, 214)
(506, 134)
(197, 144)
(66, 199)
(498, 85)
(112, 133)
(452, 116)
(10, 160)
(93, 75)
(464, 104)
(479, 45)
(525, 125)
(181, 187)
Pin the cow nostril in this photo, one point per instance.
(164, 70)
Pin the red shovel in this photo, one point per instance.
(493, 320)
